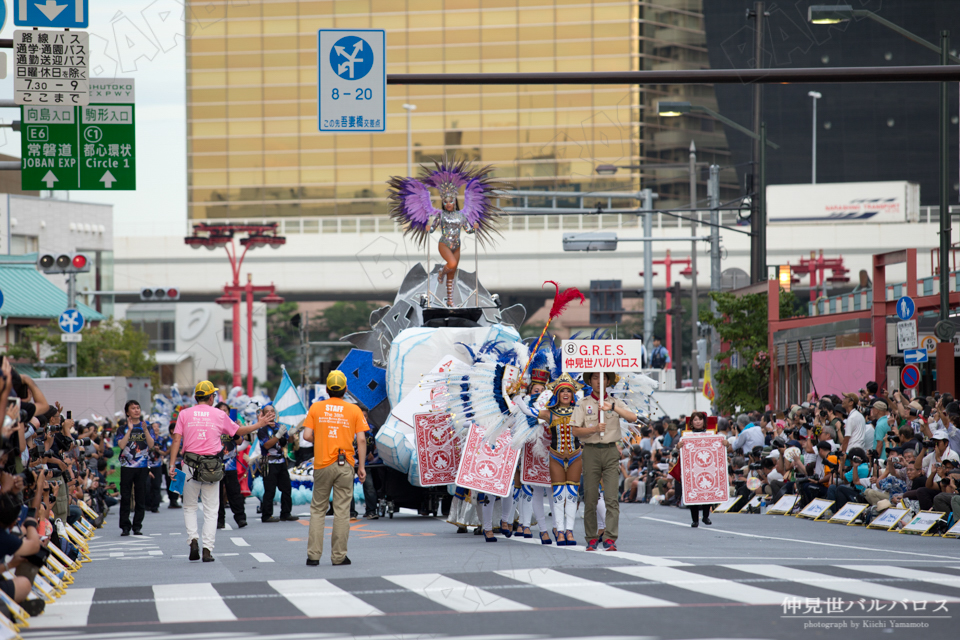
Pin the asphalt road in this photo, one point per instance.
(414, 576)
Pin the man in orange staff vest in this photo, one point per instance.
(331, 426)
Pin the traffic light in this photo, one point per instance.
(606, 299)
(64, 263)
(159, 294)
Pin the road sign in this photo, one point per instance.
(914, 356)
(906, 307)
(51, 67)
(352, 79)
(49, 148)
(3, 14)
(71, 337)
(108, 137)
(906, 335)
(62, 14)
(910, 376)
(71, 321)
(89, 148)
(929, 344)
(1, 292)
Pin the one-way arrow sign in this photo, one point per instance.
(49, 179)
(51, 9)
(62, 14)
(914, 356)
(108, 179)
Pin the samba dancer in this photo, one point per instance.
(566, 464)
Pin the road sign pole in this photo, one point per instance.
(71, 304)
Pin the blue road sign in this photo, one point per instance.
(351, 58)
(71, 321)
(3, 14)
(913, 356)
(352, 79)
(906, 307)
(1, 292)
(59, 14)
(910, 376)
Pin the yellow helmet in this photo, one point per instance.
(336, 381)
(205, 388)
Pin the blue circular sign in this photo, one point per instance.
(910, 376)
(351, 58)
(1, 298)
(71, 321)
(906, 307)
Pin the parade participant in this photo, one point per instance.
(155, 459)
(134, 440)
(698, 424)
(566, 464)
(174, 498)
(273, 441)
(601, 459)
(413, 209)
(199, 429)
(230, 485)
(331, 425)
(531, 497)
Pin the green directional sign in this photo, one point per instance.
(89, 148)
(49, 151)
(108, 143)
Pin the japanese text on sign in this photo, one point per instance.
(351, 79)
(602, 355)
(51, 67)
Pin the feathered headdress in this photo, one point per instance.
(560, 302)
(413, 208)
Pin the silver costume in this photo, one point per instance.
(450, 223)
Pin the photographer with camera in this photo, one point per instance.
(932, 467)
(819, 474)
(273, 442)
(857, 480)
(948, 500)
(134, 439)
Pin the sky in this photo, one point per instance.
(140, 39)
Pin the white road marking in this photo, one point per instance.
(70, 610)
(595, 593)
(891, 571)
(321, 599)
(655, 561)
(197, 602)
(707, 585)
(261, 557)
(455, 594)
(240, 542)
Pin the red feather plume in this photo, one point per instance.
(562, 300)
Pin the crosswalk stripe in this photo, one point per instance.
(71, 610)
(717, 587)
(198, 602)
(595, 593)
(321, 599)
(844, 585)
(942, 579)
(261, 557)
(455, 594)
(240, 542)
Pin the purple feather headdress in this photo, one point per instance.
(412, 206)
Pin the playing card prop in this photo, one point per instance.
(487, 469)
(703, 467)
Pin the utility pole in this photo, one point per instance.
(304, 348)
(756, 267)
(649, 306)
(945, 221)
(71, 304)
(713, 194)
(694, 323)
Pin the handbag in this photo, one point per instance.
(207, 469)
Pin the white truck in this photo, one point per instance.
(843, 202)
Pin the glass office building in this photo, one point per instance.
(254, 149)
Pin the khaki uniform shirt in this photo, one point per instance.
(585, 415)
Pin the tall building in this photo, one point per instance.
(254, 149)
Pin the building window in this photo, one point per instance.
(228, 330)
(159, 325)
(20, 245)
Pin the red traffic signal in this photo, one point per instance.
(159, 294)
(64, 263)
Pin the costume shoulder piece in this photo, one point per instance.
(412, 207)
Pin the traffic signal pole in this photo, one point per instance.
(71, 304)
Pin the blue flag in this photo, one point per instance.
(290, 408)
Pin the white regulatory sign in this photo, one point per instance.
(352, 79)
(906, 335)
(602, 355)
(51, 68)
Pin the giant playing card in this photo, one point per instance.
(703, 465)
(436, 449)
(534, 469)
(486, 469)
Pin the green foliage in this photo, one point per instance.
(112, 348)
(346, 317)
(283, 342)
(25, 350)
(742, 324)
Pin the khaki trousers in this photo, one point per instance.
(601, 464)
(340, 479)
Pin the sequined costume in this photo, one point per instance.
(450, 223)
(564, 446)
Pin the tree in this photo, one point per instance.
(283, 342)
(29, 344)
(344, 318)
(741, 323)
(112, 348)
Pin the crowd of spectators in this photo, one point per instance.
(872, 447)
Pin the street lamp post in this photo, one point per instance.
(694, 310)
(813, 152)
(410, 108)
(213, 235)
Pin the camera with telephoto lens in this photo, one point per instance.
(754, 466)
(85, 442)
(54, 473)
